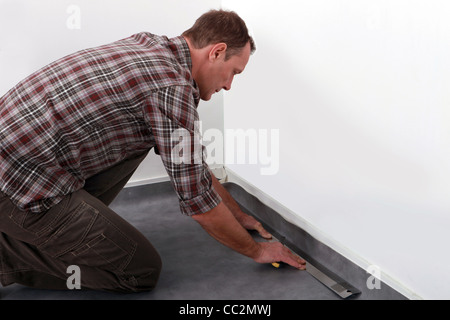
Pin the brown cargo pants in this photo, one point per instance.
(36, 250)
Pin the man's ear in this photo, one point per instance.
(218, 51)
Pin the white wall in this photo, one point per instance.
(359, 91)
(34, 33)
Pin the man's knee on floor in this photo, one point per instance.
(144, 274)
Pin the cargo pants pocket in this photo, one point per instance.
(87, 238)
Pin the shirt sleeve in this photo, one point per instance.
(174, 121)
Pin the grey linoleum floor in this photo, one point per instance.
(195, 266)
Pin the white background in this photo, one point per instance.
(360, 92)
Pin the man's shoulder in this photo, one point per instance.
(165, 56)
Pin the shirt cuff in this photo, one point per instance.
(201, 203)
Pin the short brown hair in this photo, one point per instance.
(216, 26)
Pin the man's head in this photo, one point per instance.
(220, 48)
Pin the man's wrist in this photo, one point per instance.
(256, 252)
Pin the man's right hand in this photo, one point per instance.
(221, 224)
(270, 252)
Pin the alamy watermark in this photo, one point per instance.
(73, 21)
(250, 146)
(74, 280)
(374, 280)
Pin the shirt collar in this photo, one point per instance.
(181, 51)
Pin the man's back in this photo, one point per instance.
(81, 114)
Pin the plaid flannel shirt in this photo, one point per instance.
(92, 109)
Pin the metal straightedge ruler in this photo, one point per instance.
(322, 274)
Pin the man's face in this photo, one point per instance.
(218, 73)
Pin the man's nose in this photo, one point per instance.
(228, 84)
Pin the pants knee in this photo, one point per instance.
(147, 281)
(145, 274)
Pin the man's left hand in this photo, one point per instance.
(250, 223)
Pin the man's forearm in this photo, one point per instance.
(247, 221)
(227, 199)
(223, 226)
